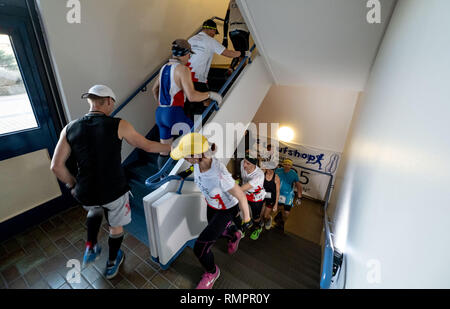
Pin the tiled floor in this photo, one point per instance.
(37, 259)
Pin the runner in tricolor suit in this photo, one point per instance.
(171, 89)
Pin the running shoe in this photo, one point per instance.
(225, 232)
(113, 270)
(91, 255)
(268, 224)
(208, 280)
(233, 245)
(255, 234)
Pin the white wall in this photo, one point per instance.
(26, 182)
(344, 161)
(320, 117)
(393, 209)
(119, 43)
(240, 106)
(325, 43)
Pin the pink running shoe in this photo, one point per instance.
(225, 232)
(233, 245)
(208, 280)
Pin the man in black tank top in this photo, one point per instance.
(100, 185)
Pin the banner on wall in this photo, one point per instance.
(314, 184)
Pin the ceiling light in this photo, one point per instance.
(285, 134)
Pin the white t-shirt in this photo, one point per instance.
(269, 159)
(204, 48)
(215, 184)
(236, 20)
(256, 180)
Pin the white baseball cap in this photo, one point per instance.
(269, 165)
(100, 91)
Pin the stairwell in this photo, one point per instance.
(275, 261)
(143, 165)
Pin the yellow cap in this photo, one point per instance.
(190, 144)
(288, 162)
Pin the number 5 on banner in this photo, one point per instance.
(302, 175)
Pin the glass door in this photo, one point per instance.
(25, 121)
(16, 111)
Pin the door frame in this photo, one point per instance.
(38, 76)
(44, 88)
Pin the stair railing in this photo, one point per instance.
(329, 265)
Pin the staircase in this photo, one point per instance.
(142, 165)
(275, 261)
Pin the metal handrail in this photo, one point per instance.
(182, 183)
(154, 185)
(165, 170)
(328, 260)
(327, 269)
(143, 87)
(218, 18)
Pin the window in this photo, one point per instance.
(16, 112)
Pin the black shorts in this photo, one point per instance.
(240, 40)
(269, 203)
(196, 108)
(202, 87)
(286, 207)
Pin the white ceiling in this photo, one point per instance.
(316, 42)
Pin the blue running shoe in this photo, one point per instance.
(91, 255)
(113, 270)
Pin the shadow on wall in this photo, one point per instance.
(338, 207)
(168, 21)
(142, 41)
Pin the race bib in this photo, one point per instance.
(268, 195)
(286, 200)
